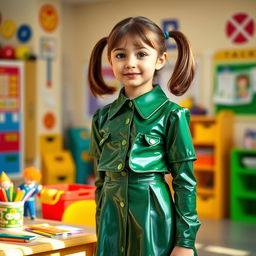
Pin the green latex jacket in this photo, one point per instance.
(134, 143)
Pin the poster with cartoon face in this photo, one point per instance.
(234, 86)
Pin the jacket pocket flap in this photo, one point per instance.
(104, 138)
(152, 140)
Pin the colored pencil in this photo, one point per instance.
(27, 196)
(39, 232)
(4, 195)
(7, 191)
(14, 240)
(19, 195)
(1, 196)
(11, 192)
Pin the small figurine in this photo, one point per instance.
(5, 181)
(31, 177)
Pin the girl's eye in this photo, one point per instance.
(120, 56)
(141, 54)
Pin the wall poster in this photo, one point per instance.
(11, 117)
(235, 81)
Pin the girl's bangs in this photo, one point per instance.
(140, 35)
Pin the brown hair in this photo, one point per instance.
(152, 35)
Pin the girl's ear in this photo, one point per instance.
(161, 61)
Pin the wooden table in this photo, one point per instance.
(82, 244)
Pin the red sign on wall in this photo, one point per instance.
(240, 28)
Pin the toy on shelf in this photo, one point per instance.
(31, 177)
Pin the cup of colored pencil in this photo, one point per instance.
(11, 204)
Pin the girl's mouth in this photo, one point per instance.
(131, 75)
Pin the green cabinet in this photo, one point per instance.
(243, 185)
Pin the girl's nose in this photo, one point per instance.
(130, 63)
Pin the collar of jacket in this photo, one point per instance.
(146, 104)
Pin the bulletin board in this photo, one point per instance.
(235, 81)
(11, 117)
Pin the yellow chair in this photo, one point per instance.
(81, 213)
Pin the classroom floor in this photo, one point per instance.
(226, 238)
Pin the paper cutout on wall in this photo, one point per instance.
(8, 28)
(240, 28)
(48, 17)
(49, 120)
(24, 33)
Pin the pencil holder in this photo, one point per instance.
(11, 215)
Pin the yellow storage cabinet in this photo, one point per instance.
(50, 142)
(58, 167)
(57, 164)
(214, 135)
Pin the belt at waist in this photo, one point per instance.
(133, 177)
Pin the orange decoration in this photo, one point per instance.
(48, 17)
(49, 120)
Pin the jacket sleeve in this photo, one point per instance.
(95, 152)
(181, 154)
(184, 186)
(179, 141)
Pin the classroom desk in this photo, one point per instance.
(82, 244)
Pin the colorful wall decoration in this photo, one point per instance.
(235, 80)
(240, 28)
(11, 117)
(48, 53)
(8, 28)
(48, 17)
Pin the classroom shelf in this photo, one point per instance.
(212, 141)
(205, 191)
(243, 185)
(204, 168)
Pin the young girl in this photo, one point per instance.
(136, 140)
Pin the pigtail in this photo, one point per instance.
(97, 84)
(184, 69)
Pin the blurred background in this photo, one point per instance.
(46, 107)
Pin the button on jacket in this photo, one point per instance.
(134, 143)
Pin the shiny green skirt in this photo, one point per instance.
(135, 215)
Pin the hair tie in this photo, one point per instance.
(166, 34)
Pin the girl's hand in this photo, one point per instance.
(182, 251)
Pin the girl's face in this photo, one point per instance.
(134, 65)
